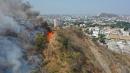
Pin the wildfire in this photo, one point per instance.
(49, 35)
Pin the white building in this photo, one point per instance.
(124, 33)
(56, 22)
(95, 31)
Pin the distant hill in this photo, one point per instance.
(107, 15)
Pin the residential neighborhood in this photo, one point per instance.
(114, 29)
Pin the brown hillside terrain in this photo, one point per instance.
(69, 51)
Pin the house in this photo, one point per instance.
(124, 33)
(95, 31)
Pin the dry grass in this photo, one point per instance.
(68, 52)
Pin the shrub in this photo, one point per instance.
(40, 41)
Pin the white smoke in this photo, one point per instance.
(12, 8)
(8, 10)
(7, 22)
(11, 54)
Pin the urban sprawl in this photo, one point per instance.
(110, 30)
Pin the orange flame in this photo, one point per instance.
(49, 36)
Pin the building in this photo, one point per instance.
(56, 23)
(95, 31)
(124, 33)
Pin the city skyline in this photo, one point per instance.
(89, 7)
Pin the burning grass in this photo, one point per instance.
(49, 36)
(64, 54)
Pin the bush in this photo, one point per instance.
(102, 38)
(40, 41)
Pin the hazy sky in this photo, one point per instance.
(81, 6)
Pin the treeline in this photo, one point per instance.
(121, 24)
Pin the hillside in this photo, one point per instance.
(107, 15)
(69, 51)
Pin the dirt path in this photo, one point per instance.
(98, 56)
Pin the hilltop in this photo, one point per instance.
(107, 15)
(69, 51)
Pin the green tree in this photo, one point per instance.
(126, 28)
(102, 38)
(40, 41)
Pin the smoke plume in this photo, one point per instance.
(11, 52)
(10, 56)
